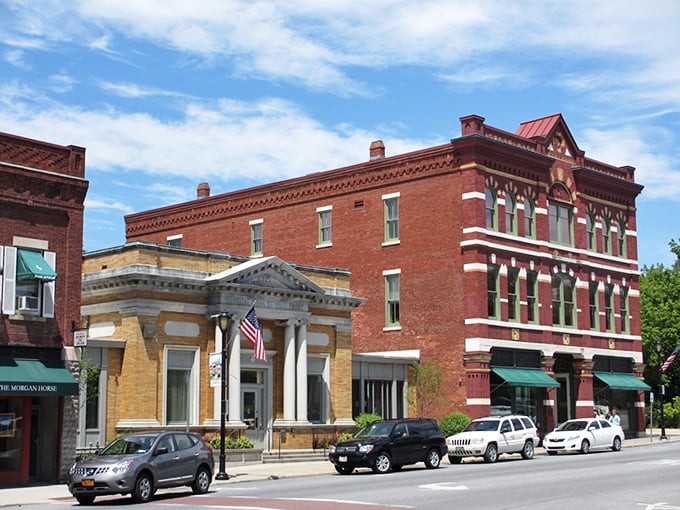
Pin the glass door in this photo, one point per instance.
(252, 413)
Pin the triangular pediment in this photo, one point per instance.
(553, 132)
(267, 272)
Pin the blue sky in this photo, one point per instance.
(165, 94)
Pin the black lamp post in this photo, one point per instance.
(223, 323)
(661, 390)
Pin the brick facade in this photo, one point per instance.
(444, 253)
(42, 191)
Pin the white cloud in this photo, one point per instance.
(92, 203)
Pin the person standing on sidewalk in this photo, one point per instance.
(614, 418)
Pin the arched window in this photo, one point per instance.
(622, 239)
(529, 218)
(591, 243)
(606, 236)
(510, 213)
(493, 299)
(491, 206)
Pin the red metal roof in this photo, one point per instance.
(538, 127)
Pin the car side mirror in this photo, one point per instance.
(161, 450)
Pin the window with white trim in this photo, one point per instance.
(317, 390)
(510, 213)
(391, 217)
(493, 299)
(324, 225)
(560, 217)
(491, 208)
(181, 385)
(513, 294)
(392, 300)
(256, 237)
(28, 281)
(532, 297)
(529, 218)
(609, 307)
(563, 300)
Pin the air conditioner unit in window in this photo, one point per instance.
(27, 303)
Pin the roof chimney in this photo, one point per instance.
(377, 150)
(203, 190)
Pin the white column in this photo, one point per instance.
(289, 372)
(234, 411)
(302, 372)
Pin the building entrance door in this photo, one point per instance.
(563, 399)
(253, 413)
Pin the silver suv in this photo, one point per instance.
(489, 437)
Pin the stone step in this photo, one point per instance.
(294, 456)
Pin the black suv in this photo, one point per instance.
(387, 445)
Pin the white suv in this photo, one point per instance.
(491, 436)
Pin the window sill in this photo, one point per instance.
(392, 328)
(325, 245)
(31, 317)
(391, 243)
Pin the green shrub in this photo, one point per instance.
(364, 419)
(231, 443)
(454, 423)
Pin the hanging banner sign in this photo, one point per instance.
(80, 338)
(215, 369)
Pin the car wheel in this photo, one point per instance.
(616, 446)
(85, 500)
(433, 459)
(491, 454)
(383, 463)
(528, 450)
(344, 470)
(202, 481)
(585, 446)
(551, 452)
(455, 460)
(143, 489)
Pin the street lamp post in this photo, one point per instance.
(223, 323)
(661, 390)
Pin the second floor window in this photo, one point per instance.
(513, 294)
(606, 236)
(594, 306)
(392, 318)
(256, 238)
(622, 239)
(492, 300)
(532, 296)
(609, 307)
(563, 301)
(28, 283)
(560, 218)
(625, 320)
(391, 213)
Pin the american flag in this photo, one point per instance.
(250, 327)
(670, 359)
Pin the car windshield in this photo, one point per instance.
(573, 425)
(129, 445)
(482, 426)
(375, 430)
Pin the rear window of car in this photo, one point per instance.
(183, 441)
(517, 424)
(528, 423)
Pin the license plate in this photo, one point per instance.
(87, 483)
(342, 458)
(460, 449)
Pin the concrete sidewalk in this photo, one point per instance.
(37, 494)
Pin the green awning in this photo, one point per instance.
(32, 266)
(531, 377)
(35, 377)
(622, 381)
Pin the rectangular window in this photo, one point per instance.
(392, 312)
(175, 240)
(510, 213)
(529, 218)
(563, 305)
(180, 386)
(256, 237)
(590, 232)
(609, 307)
(606, 236)
(621, 237)
(513, 297)
(594, 307)
(625, 320)
(560, 219)
(317, 390)
(324, 225)
(532, 296)
(28, 282)
(391, 215)
(492, 291)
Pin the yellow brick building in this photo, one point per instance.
(150, 315)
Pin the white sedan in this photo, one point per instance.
(584, 435)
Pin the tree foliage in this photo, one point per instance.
(660, 321)
(426, 389)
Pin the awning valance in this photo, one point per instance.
(531, 377)
(32, 266)
(35, 377)
(622, 381)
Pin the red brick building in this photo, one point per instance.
(507, 259)
(42, 190)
